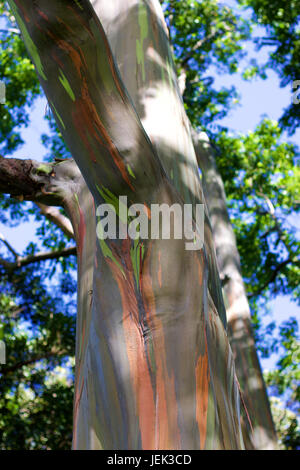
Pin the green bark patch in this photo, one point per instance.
(143, 22)
(58, 115)
(64, 81)
(43, 168)
(29, 43)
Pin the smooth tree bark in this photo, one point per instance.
(237, 306)
(149, 91)
(154, 366)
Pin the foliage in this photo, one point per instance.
(286, 424)
(36, 316)
(21, 81)
(36, 386)
(284, 384)
(262, 184)
(207, 39)
(281, 19)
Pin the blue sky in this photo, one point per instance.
(258, 98)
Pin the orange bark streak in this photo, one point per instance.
(140, 374)
(167, 430)
(159, 274)
(202, 385)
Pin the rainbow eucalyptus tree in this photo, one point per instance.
(154, 369)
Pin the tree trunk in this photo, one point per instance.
(154, 366)
(237, 307)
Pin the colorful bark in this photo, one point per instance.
(154, 366)
(154, 90)
(238, 311)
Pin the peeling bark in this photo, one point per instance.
(237, 307)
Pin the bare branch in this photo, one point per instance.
(11, 31)
(32, 360)
(53, 214)
(25, 179)
(41, 256)
(30, 180)
(277, 225)
(10, 248)
(270, 204)
(272, 278)
(198, 45)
